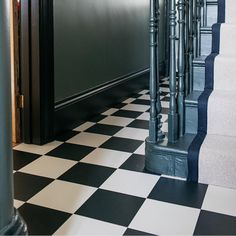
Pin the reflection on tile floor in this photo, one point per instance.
(91, 181)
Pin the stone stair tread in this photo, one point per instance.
(200, 60)
(192, 98)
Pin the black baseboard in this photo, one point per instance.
(70, 114)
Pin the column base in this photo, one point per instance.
(16, 227)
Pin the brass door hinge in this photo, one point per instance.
(20, 101)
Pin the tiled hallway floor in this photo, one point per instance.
(92, 181)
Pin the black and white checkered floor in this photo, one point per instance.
(91, 181)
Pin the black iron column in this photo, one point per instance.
(10, 221)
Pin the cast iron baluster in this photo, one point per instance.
(167, 42)
(204, 13)
(172, 116)
(191, 39)
(181, 65)
(199, 6)
(195, 50)
(186, 47)
(155, 133)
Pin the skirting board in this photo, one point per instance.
(71, 113)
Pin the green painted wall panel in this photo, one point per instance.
(97, 41)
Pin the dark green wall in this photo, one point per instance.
(97, 41)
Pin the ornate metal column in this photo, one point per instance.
(10, 221)
(155, 133)
(198, 18)
(191, 39)
(204, 13)
(181, 65)
(172, 116)
(167, 42)
(195, 28)
(186, 48)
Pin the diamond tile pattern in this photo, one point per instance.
(92, 181)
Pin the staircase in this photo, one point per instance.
(205, 149)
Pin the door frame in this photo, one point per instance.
(37, 70)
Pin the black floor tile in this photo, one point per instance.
(165, 99)
(165, 85)
(141, 124)
(41, 220)
(134, 163)
(122, 144)
(71, 151)
(21, 159)
(118, 105)
(136, 95)
(164, 110)
(104, 129)
(87, 174)
(26, 185)
(66, 135)
(97, 118)
(111, 207)
(179, 192)
(135, 232)
(141, 102)
(127, 114)
(164, 93)
(210, 223)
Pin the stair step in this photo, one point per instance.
(169, 158)
(191, 112)
(212, 10)
(206, 40)
(199, 73)
(217, 164)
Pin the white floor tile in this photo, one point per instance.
(164, 127)
(106, 157)
(144, 116)
(89, 139)
(135, 107)
(132, 133)
(80, 225)
(162, 218)
(165, 104)
(164, 117)
(165, 89)
(115, 120)
(84, 126)
(48, 166)
(130, 182)
(144, 91)
(221, 200)
(63, 196)
(129, 100)
(18, 204)
(41, 150)
(110, 111)
(145, 97)
(141, 150)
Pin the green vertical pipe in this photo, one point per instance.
(10, 222)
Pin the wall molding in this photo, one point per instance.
(70, 113)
